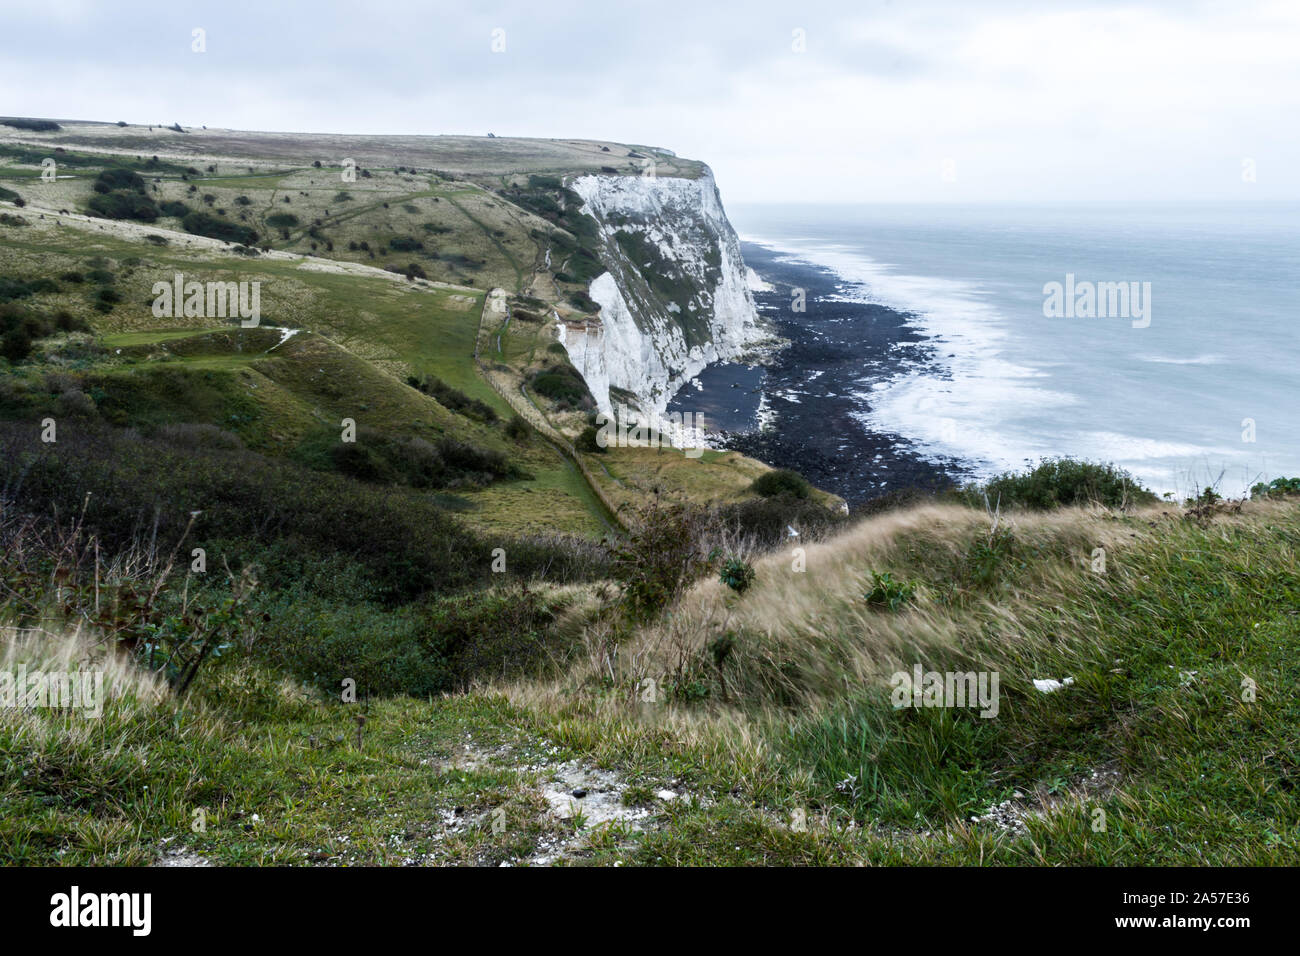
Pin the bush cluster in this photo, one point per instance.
(452, 398)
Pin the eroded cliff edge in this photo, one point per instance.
(673, 297)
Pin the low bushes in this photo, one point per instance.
(203, 224)
(564, 385)
(665, 552)
(766, 522)
(138, 485)
(21, 326)
(1058, 482)
(378, 458)
(781, 481)
(453, 398)
(120, 194)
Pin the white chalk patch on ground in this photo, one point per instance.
(590, 796)
(1013, 816)
(181, 857)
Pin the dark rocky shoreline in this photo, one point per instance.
(814, 388)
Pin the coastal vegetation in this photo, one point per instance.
(769, 720)
(362, 585)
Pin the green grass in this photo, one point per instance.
(277, 782)
(1191, 773)
(1187, 771)
(125, 339)
(153, 374)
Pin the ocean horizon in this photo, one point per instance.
(1193, 393)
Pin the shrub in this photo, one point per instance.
(203, 224)
(499, 633)
(737, 574)
(282, 220)
(766, 521)
(105, 299)
(1277, 488)
(21, 326)
(781, 481)
(1061, 482)
(517, 429)
(990, 557)
(123, 204)
(377, 458)
(562, 384)
(662, 555)
(117, 177)
(12, 289)
(588, 441)
(405, 543)
(888, 593)
(580, 300)
(35, 125)
(120, 194)
(453, 399)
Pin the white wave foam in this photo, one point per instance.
(960, 412)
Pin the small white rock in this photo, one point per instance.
(1049, 685)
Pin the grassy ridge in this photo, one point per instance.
(439, 562)
(1156, 730)
(791, 751)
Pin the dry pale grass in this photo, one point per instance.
(803, 640)
(125, 691)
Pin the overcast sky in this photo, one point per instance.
(872, 101)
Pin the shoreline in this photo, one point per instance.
(802, 406)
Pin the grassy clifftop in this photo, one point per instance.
(352, 609)
(1169, 739)
(469, 155)
(377, 264)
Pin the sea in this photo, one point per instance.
(928, 343)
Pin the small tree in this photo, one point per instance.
(664, 554)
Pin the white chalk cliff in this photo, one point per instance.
(674, 297)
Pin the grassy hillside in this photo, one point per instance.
(1172, 742)
(376, 254)
(366, 592)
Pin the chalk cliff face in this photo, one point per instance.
(674, 297)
